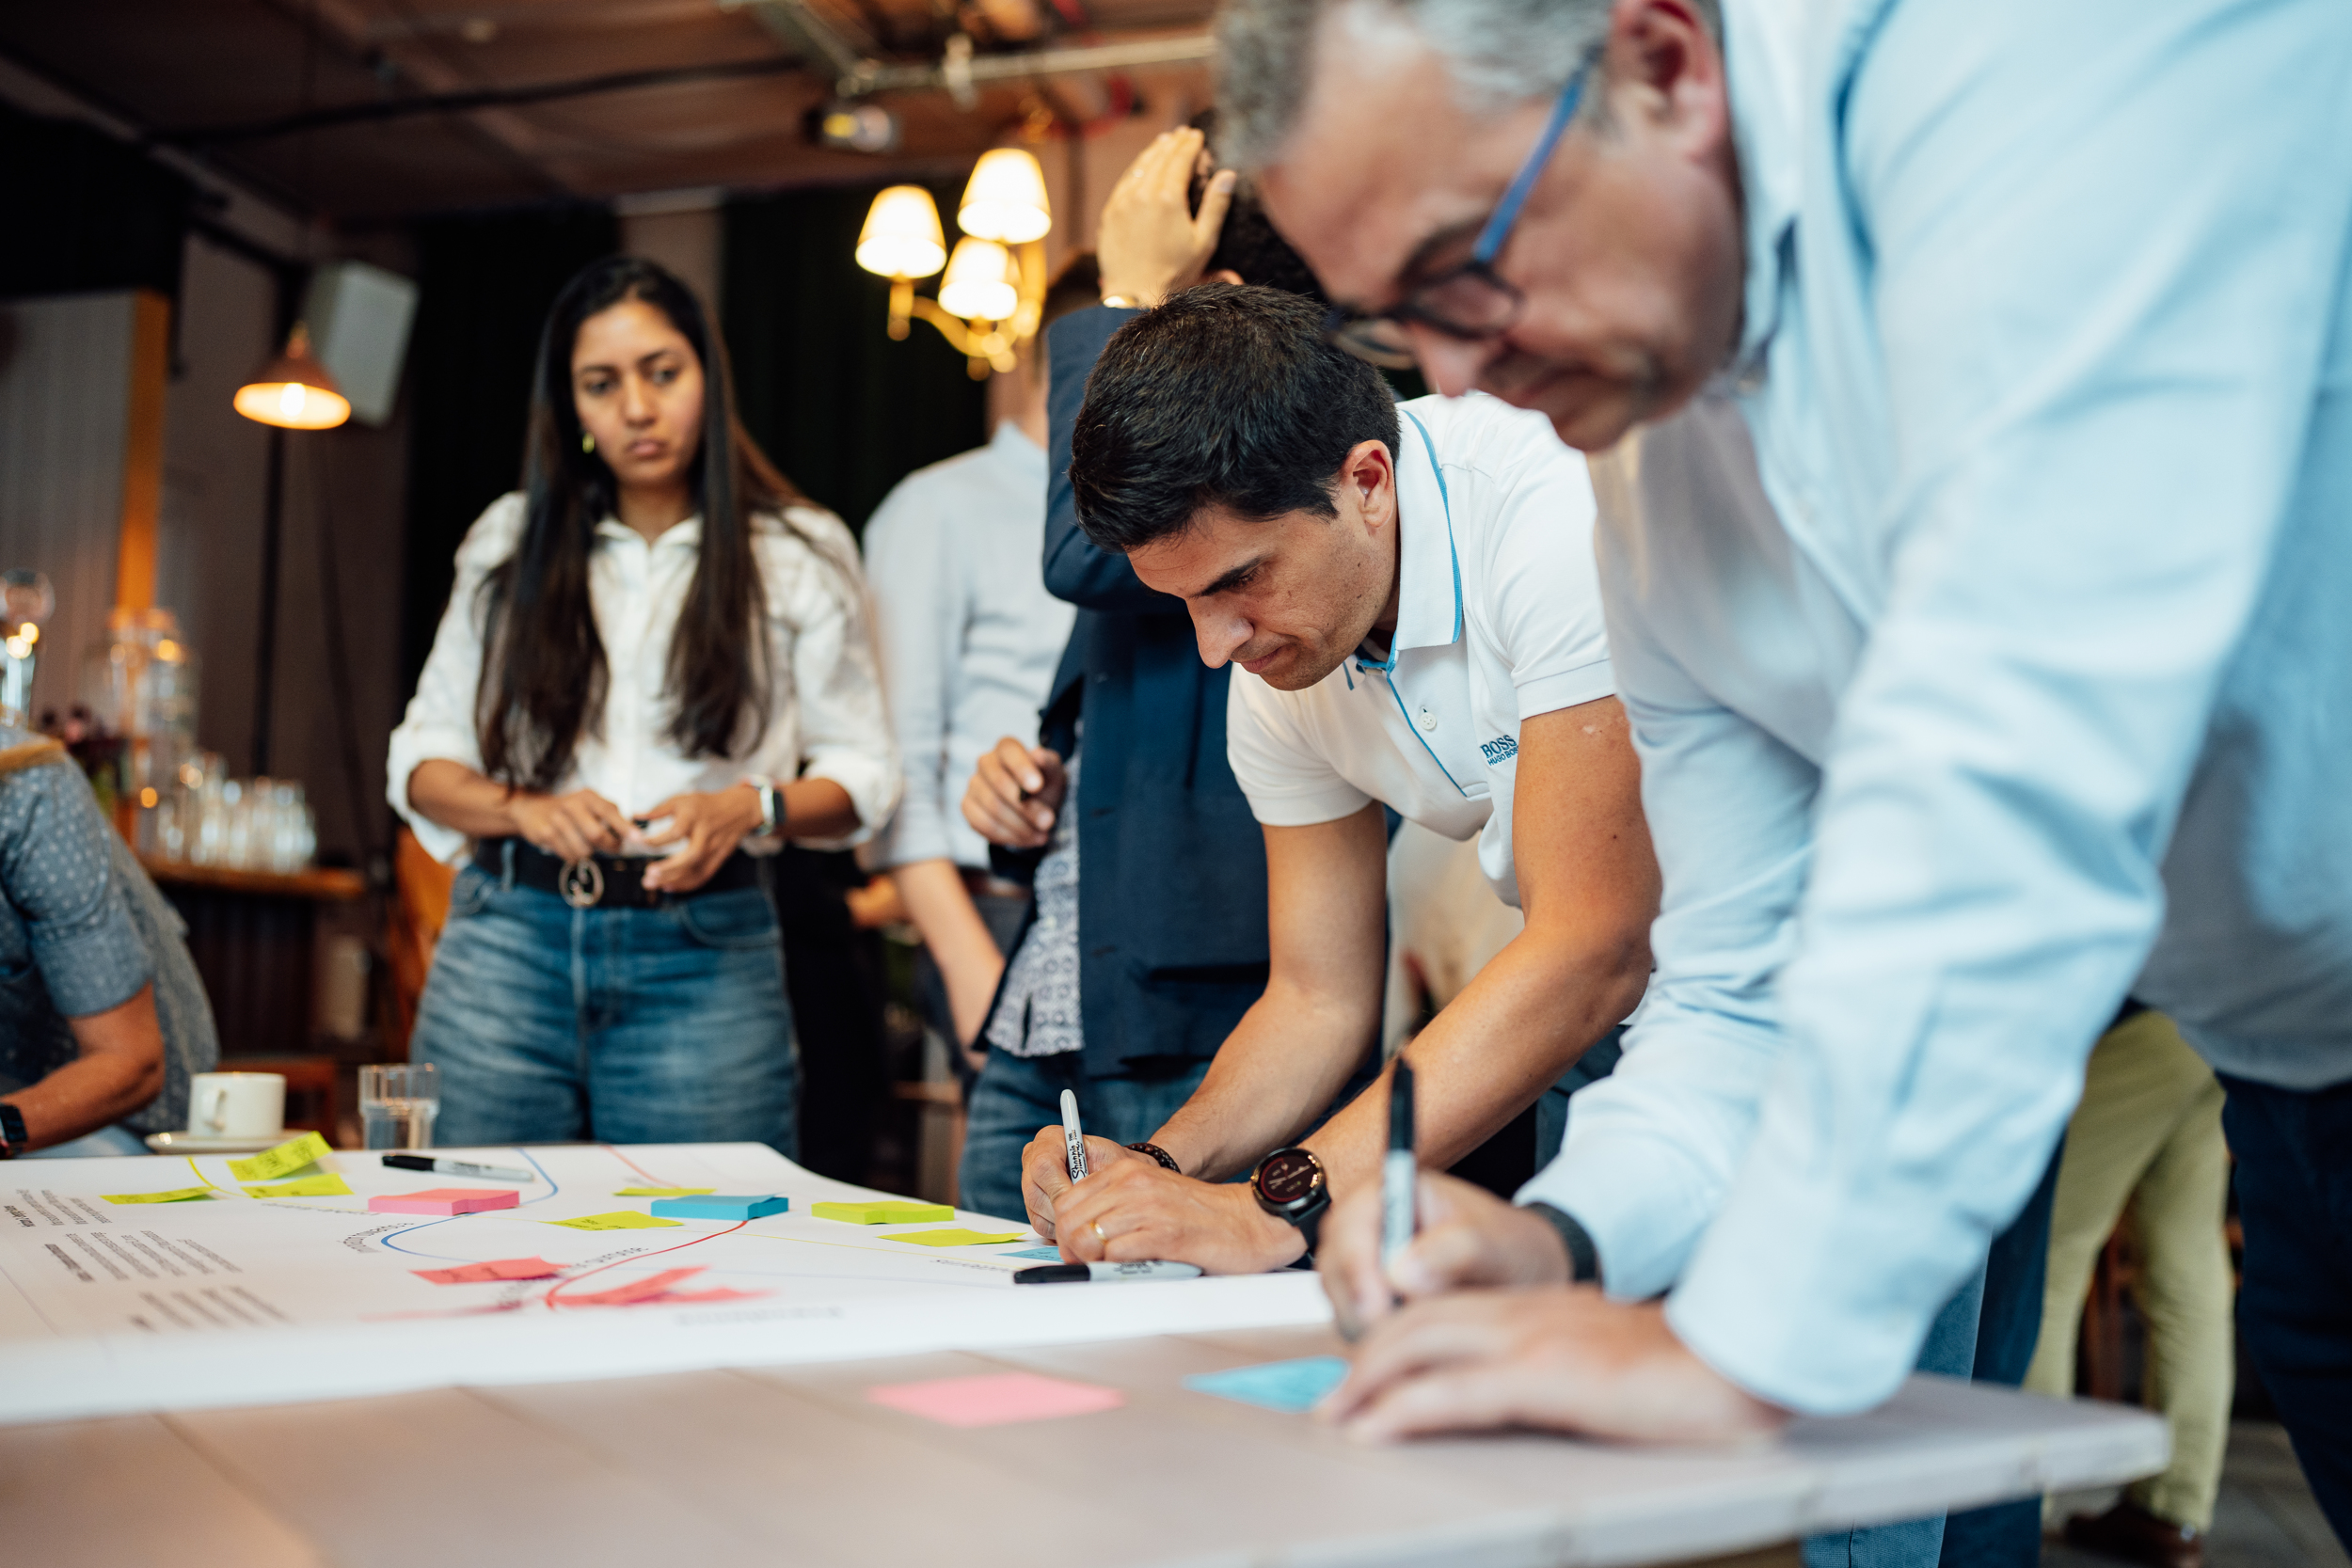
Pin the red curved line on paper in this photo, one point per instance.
(554, 1289)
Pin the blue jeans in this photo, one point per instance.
(1015, 1096)
(1986, 1333)
(2294, 1150)
(114, 1140)
(624, 1025)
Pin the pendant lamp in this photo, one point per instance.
(294, 390)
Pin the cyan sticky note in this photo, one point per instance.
(722, 1207)
(1051, 1254)
(1290, 1387)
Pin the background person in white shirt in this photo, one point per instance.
(969, 639)
(1408, 594)
(677, 667)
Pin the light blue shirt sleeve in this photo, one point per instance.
(1652, 1149)
(2069, 276)
(919, 617)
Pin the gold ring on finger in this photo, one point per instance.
(1098, 1231)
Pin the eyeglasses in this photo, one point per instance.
(1470, 302)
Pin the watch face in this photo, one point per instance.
(1288, 1175)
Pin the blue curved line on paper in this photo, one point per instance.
(553, 1188)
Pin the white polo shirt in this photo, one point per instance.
(1498, 620)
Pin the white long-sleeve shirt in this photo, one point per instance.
(825, 715)
(969, 635)
(1985, 641)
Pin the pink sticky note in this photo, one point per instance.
(446, 1200)
(503, 1268)
(996, 1398)
(629, 1294)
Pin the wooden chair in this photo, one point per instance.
(418, 908)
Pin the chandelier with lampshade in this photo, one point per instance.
(992, 285)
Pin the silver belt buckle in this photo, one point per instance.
(581, 884)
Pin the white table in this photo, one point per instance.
(793, 1465)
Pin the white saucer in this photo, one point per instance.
(188, 1142)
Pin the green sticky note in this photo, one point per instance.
(178, 1194)
(896, 1211)
(620, 1219)
(286, 1159)
(664, 1192)
(955, 1238)
(330, 1185)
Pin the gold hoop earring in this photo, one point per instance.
(587, 442)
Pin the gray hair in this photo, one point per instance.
(1501, 53)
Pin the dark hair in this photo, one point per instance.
(544, 675)
(1227, 396)
(1248, 245)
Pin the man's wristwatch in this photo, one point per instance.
(770, 805)
(1289, 1184)
(12, 1134)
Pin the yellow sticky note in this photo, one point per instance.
(620, 1219)
(330, 1185)
(178, 1194)
(954, 1238)
(896, 1211)
(663, 1192)
(284, 1160)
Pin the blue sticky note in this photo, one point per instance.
(720, 1207)
(1290, 1387)
(1051, 1254)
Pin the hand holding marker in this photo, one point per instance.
(1075, 1148)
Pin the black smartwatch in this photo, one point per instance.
(12, 1134)
(1289, 1184)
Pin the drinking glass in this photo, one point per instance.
(398, 1101)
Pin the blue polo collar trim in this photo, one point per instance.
(1428, 565)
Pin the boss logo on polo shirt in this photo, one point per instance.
(1503, 748)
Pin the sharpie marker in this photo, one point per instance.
(455, 1167)
(1074, 1137)
(1079, 1273)
(1398, 1170)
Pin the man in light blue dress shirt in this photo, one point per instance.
(1978, 587)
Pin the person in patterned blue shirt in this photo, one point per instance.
(103, 1018)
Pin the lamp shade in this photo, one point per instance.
(978, 285)
(1006, 199)
(294, 390)
(901, 237)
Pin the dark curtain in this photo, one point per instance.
(87, 213)
(845, 412)
(485, 284)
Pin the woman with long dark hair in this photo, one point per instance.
(654, 669)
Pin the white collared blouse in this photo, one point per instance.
(825, 715)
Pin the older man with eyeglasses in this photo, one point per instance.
(1975, 577)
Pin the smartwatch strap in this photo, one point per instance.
(1583, 1257)
(12, 1134)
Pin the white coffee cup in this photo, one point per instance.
(236, 1104)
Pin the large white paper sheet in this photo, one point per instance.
(234, 1300)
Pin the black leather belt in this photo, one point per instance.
(603, 881)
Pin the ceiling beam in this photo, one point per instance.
(468, 100)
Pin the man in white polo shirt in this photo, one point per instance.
(1410, 594)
